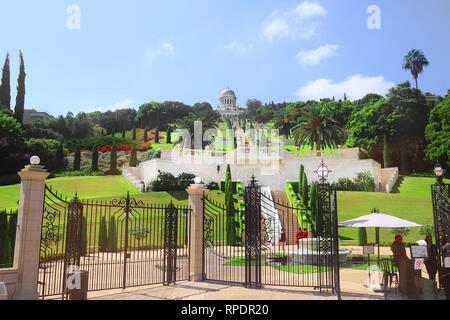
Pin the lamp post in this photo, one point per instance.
(439, 172)
(322, 172)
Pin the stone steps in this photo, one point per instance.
(289, 220)
(131, 178)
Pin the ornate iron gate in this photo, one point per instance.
(261, 259)
(440, 194)
(121, 243)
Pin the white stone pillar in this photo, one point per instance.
(196, 192)
(29, 224)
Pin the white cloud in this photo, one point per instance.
(166, 49)
(127, 103)
(355, 87)
(237, 47)
(313, 57)
(299, 22)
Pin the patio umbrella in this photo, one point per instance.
(378, 220)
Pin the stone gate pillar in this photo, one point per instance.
(195, 192)
(29, 224)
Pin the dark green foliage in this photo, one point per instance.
(166, 181)
(47, 150)
(300, 178)
(8, 179)
(77, 159)
(103, 235)
(157, 135)
(212, 185)
(169, 133)
(61, 161)
(362, 182)
(134, 134)
(230, 215)
(437, 133)
(113, 160)
(145, 135)
(362, 236)
(8, 225)
(5, 87)
(305, 189)
(112, 235)
(427, 230)
(89, 143)
(94, 165)
(133, 158)
(123, 134)
(20, 98)
(403, 231)
(313, 206)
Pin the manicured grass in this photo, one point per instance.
(157, 145)
(412, 202)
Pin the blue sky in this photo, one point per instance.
(126, 53)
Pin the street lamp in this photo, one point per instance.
(322, 171)
(439, 172)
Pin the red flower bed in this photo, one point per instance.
(109, 148)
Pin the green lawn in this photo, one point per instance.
(412, 201)
(98, 188)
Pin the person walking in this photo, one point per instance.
(431, 262)
(282, 238)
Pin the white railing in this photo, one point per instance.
(270, 214)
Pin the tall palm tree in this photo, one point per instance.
(414, 61)
(209, 119)
(284, 126)
(316, 127)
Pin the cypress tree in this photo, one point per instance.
(134, 134)
(12, 225)
(5, 87)
(20, 98)
(4, 248)
(229, 204)
(313, 205)
(112, 235)
(123, 134)
(133, 157)
(94, 165)
(305, 189)
(145, 135)
(362, 236)
(102, 235)
(169, 132)
(157, 135)
(60, 159)
(77, 159)
(300, 178)
(113, 160)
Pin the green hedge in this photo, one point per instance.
(8, 225)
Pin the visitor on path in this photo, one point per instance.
(431, 261)
(398, 249)
(298, 235)
(282, 238)
(444, 273)
(305, 233)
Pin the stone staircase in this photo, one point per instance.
(132, 174)
(289, 220)
(388, 179)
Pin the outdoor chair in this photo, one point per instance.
(390, 272)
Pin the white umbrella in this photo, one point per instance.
(378, 220)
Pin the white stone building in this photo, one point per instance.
(228, 106)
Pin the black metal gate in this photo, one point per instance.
(440, 193)
(121, 243)
(261, 259)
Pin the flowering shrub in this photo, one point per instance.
(109, 148)
(143, 146)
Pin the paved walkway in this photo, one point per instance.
(352, 288)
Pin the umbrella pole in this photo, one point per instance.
(377, 236)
